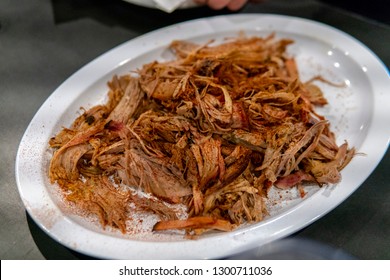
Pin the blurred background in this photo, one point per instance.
(43, 42)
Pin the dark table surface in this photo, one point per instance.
(43, 42)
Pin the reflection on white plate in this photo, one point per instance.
(167, 5)
(358, 113)
(294, 249)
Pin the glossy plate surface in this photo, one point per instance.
(358, 113)
(180, 4)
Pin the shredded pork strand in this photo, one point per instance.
(213, 129)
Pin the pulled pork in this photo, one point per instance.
(213, 129)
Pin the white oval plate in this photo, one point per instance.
(358, 113)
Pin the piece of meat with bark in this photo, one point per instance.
(250, 207)
(128, 104)
(209, 161)
(98, 196)
(199, 222)
(251, 140)
(154, 175)
(329, 172)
